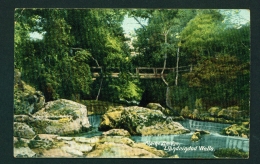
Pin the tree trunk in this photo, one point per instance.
(165, 59)
(177, 67)
(99, 89)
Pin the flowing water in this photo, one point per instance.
(204, 148)
(182, 144)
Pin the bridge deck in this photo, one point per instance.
(143, 72)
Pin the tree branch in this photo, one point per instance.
(101, 82)
(139, 22)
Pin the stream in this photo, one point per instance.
(181, 144)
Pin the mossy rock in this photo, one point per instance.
(27, 99)
(213, 111)
(185, 112)
(117, 132)
(232, 113)
(23, 130)
(140, 121)
(237, 130)
(196, 137)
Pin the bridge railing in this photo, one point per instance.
(145, 72)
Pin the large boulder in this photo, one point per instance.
(111, 119)
(23, 152)
(26, 98)
(98, 147)
(121, 147)
(117, 150)
(22, 130)
(62, 117)
(140, 121)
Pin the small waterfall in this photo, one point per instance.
(209, 126)
(94, 120)
(169, 102)
(237, 143)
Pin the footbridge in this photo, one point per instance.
(142, 72)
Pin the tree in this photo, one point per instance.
(199, 37)
(46, 63)
(221, 54)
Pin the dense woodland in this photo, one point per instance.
(211, 42)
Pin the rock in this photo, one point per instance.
(49, 137)
(92, 140)
(77, 147)
(23, 152)
(174, 156)
(119, 150)
(232, 113)
(185, 112)
(237, 130)
(140, 121)
(26, 98)
(22, 130)
(245, 124)
(41, 143)
(153, 150)
(195, 137)
(65, 138)
(102, 146)
(213, 111)
(111, 118)
(20, 142)
(178, 118)
(202, 131)
(117, 139)
(72, 151)
(197, 134)
(117, 132)
(56, 153)
(156, 106)
(23, 118)
(61, 117)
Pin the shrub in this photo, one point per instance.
(230, 153)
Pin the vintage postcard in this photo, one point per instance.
(131, 83)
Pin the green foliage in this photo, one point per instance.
(160, 36)
(125, 88)
(214, 80)
(230, 153)
(198, 104)
(75, 40)
(51, 64)
(201, 33)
